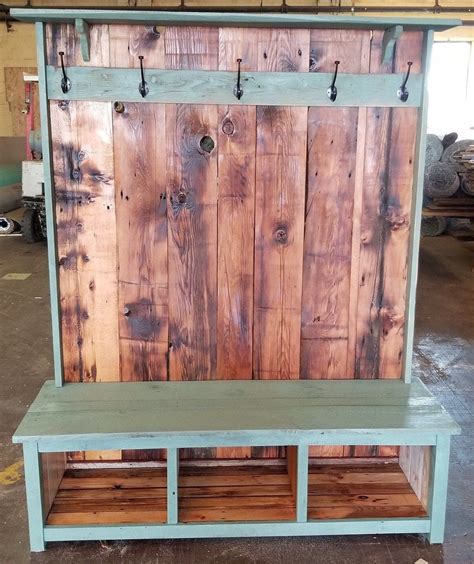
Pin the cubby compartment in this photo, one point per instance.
(237, 490)
(369, 489)
(104, 493)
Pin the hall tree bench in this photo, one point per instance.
(290, 495)
(233, 205)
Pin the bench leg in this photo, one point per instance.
(34, 496)
(439, 489)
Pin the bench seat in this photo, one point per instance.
(292, 414)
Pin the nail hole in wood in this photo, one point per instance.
(156, 31)
(207, 143)
(181, 197)
(119, 107)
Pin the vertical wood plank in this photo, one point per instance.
(236, 221)
(333, 167)
(332, 138)
(81, 134)
(279, 218)
(191, 132)
(142, 238)
(397, 216)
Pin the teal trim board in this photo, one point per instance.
(217, 87)
(49, 204)
(417, 204)
(156, 17)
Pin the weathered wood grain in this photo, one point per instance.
(63, 37)
(397, 213)
(128, 42)
(140, 187)
(332, 137)
(331, 175)
(236, 222)
(191, 133)
(279, 217)
(84, 192)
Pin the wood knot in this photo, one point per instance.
(181, 197)
(281, 235)
(63, 105)
(228, 127)
(119, 107)
(76, 174)
(126, 311)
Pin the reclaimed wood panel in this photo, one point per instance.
(142, 237)
(397, 213)
(415, 461)
(191, 133)
(86, 230)
(84, 187)
(332, 132)
(329, 217)
(366, 491)
(279, 218)
(236, 222)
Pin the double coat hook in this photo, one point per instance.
(402, 92)
(332, 90)
(143, 86)
(65, 82)
(238, 90)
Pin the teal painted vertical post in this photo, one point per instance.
(172, 470)
(416, 207)
(34, 496)
(439, 488)
(49, 203)
(302, 484)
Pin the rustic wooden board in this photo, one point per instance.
(279, 218)
(192, 215)
(86, 227)
(365, 491)
(329, 217)
(236, 222)
(397, 215)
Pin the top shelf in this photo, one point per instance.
(149, 17)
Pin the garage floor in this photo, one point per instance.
(444, 357)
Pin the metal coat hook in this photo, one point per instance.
(332, 90)
(238, 90)
(65, 82)
(143, 86)
(402, 92)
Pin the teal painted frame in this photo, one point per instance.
(432, 525)
(415, 220)
(217, 87)
(156, 17)
(49, 204)
(34, 496)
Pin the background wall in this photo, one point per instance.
(17, 42)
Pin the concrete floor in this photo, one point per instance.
(444, 358)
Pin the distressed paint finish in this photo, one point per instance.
(238, 19)
(217, 87)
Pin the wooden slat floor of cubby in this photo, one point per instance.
(110, 496)
(360, 490)
(233, 492)
(236, 492)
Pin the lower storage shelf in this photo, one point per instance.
(373, 490)
(110, 496)
(237, 491)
